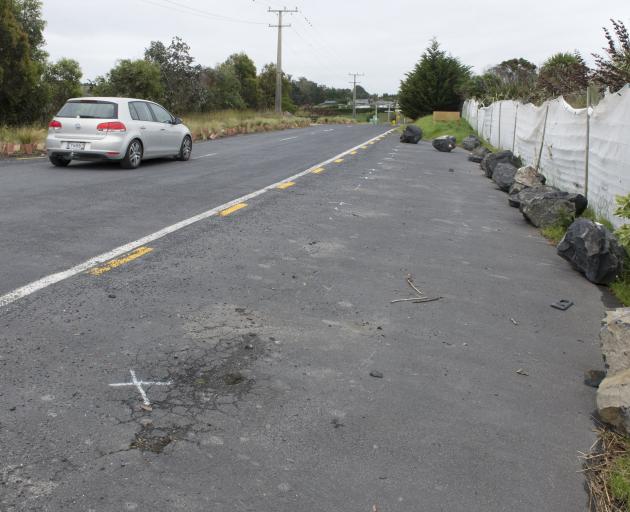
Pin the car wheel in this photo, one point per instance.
(133, 156)
(186, 150)
(58, 161)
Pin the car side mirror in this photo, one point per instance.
(177, 120)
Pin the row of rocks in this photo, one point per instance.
(592, 250)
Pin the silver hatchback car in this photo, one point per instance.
(120, 129)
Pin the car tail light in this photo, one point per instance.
(112, 126)
(54, 124)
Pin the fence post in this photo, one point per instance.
(542, 142)
(500, 109)
(477, 122)
(491, 121)
(514, 135)
(588, 139)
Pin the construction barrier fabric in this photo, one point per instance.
(554, 136)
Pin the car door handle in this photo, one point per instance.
(143, 127)
(162, 129)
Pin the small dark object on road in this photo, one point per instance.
(444, 144)
(451, 170)
(411, 135)
(376, 374)
(562, 304)
(336, 423)
(593, 250)
(232, 379)
(522, 372)
(594, 378)
(111, 296)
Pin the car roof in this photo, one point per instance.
(112, 99)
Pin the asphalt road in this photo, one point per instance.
(261, 329)
(54, 218)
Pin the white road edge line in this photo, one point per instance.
(288, 138)
(203, 156)
(51, 279)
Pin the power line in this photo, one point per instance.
(178, 7)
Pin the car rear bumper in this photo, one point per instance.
(111, 147)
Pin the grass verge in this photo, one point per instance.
(458, 129)
(607, 471)
(213, 125)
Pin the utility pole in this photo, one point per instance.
(354, 92)
(280, 26)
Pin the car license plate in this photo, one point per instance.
(76, 146)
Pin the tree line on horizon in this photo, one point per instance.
(32, 88)
(440, 81)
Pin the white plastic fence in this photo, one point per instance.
(554, 135)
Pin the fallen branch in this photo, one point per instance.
(421, 298)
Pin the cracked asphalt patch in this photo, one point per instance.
(269, 322)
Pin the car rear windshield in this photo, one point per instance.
(89, 109)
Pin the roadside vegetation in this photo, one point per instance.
(607, 471)
(459, 129)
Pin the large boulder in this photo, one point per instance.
(478, 154)
(614, 340)
(525, 177)
(411, 135)
(489, 163)
(445, 144)
(545, 206)
(513, 193)
(528, 176)
(471, 142)
(613, 400)
(503, 175)
(593, 250)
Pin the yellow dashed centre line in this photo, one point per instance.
(353, 152)
(112, 264)
(284, 186)
(232, 209)
(339, 160)
(318, 170)
(363, 147)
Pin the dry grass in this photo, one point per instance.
(34, 134)
(232, 122)
(606, 472)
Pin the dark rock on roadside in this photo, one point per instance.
(489, 163)
(503, 175)
(528, 176)
(592, 250)
(514, 191)
(471, 142)
(478, 154)
(525, 177)
(445, 144)
(594, 378)
(411, 135)
(545, 206)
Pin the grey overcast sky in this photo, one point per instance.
(328, 39)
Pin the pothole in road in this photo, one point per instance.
(211, 376)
